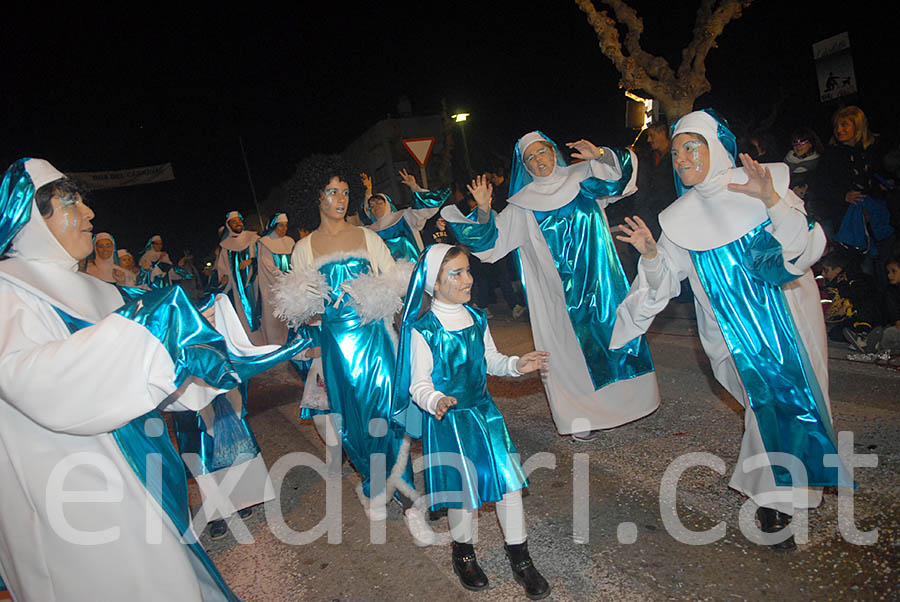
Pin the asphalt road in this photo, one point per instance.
(631, 552)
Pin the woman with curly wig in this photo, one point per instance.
(345, 275)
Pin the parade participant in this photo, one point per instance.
(446, 352)
(572, 277)
(156, 269)
(742, 239)
(401, 230)
(82, 373)
(103, 263)
(236, 266)
(126, 262)
(346, 275)
(273, 252)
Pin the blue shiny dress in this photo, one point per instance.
(358, 363)
(468, 452)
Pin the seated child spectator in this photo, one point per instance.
(887, 336)
(854, 308)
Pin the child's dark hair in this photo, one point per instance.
(840, 258)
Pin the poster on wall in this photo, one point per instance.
(834, 67)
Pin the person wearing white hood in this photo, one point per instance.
(104, 262)
(744, 242)
(273, 252)
(95, 502)
(126, 262)
(572, 277)
(236, 265)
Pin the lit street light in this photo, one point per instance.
(461, 118)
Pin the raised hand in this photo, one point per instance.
(638, 235)
(533, 360)
(482, 191)
(444, 404)
(410, 181)
(585, 150)
(759, 182)
(367, 183)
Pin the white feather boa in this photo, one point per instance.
(377, 297)
(298, 295)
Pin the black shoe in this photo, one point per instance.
(245, 512)
(218, 529)
(773, 521)
(465, 565)
(536, 587)
(440, 513)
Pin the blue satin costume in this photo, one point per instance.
(588, 266)
(399, 238)
(469, 451)
(243, 284)
(743, 282)
(358, 363)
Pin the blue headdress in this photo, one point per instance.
(519, 176)
(724, 136)
(403, 411)
(276, 219)
(16, 195)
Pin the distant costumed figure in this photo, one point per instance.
(157, 269)
(572, 276)
(103, 263)
(743, 240)
(237, 269)
(401, 230)
(273, 253)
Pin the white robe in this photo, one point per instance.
(60, 396)
(575, 404)
(274, 331)
(658, 281)
(224, 268)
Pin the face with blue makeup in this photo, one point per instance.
(540, 158)
(454, 281)
(690, 158)
(70, 224)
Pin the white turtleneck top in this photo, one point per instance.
(452, 316)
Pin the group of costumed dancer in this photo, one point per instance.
(109, 357)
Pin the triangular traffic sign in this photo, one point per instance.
(419, 148)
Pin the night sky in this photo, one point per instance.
(128, 87)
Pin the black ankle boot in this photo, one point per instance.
(773, 521)
(536, 587)
(465, 565)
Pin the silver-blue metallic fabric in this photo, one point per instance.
(243, 283)
(470, 458)
(743, 282)
(144, 442)
(400, 241)
(358, 364)
(16, 194)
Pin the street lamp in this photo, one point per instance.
(461, 118)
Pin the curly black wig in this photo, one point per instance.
(313, 173)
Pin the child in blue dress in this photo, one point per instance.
(446, 352)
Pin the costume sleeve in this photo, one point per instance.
(421, 387)
(424, 206)
(802, 242)
(493, 240)
(497, 363)
(612, 177)
(379, 254)
(658, 280)
(266, 262)
(94, 381)
(224, 269)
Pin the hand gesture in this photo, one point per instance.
(482, 191)
(367, 183)
(759, 182)
(854, 197)
(585, 150)
(410, 181)
(119, 276)
(444, 404)
(242, 265)
(638, 235)
(533, 360)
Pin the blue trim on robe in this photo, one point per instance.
(473, 429)
(144, 440)
(243, 283)
(400, 241)
(743, 281)
(282, 261)
(593, 283)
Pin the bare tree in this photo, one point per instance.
(675, 91)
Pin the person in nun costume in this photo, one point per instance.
(237, 269)
(103, 263)
(744, 242)
(446, 352)
(401, 230)
(95, 503)
(126, 262)
(572, 277)
(273, 252)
